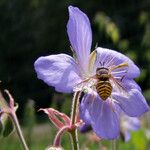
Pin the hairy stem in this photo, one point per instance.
(75, 142)
(74, 112)
(75, 107)
(18, 129)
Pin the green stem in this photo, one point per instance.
(74, 112)
(75, 142)
(75, 107)
(113, 144)
(19, 132)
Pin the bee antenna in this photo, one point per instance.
(96, 45)
(101, 63)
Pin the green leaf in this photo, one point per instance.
(8, 126)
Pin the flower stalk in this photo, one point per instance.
(11, 111)
(75, 142)
(19, 131)
(113, 144)
(75, 107)
(74, 116)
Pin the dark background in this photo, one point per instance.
(32, 28)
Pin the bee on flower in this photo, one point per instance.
(106, 76)
(104, 79)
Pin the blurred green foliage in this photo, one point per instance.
(29, 120)
(43, 135)
(107, 26)
(32, 28)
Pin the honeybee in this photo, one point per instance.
(103, 85)
(104, 80)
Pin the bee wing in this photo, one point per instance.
(118, 86)
(80, 86)
(87, 83)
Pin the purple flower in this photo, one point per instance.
(66, 74)
(129, 124)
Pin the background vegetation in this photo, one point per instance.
(32, 28)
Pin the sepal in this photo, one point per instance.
(6, 124)
(58, 119)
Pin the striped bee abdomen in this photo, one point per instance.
(104, 89)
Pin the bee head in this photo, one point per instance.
(102, 70)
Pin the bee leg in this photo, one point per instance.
(111, 104)
(93, 89)
(122, 78)
(125, 64)
(93, 95)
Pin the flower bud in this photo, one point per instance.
(6, 124)
(54, 148)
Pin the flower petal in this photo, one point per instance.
(84, 113)
(85, 128)
(123, 87)
(130, 84)
(134, 104)
(80, 35)
(110, 57)
(104, 120)
(59, 71)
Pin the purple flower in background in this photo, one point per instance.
(128, 124)
(118, 91)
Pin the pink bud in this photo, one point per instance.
(58, 119)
